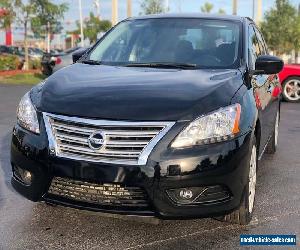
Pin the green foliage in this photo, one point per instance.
(208, 7)
(152, 7)
(23, 78)
(47, 13)
(36, 12)
(93, 26)
(281, 27)
(221, 11)
(9, 62)
(7, 19)
(35, 64)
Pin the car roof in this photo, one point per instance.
(192, 15)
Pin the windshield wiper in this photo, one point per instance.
(163, 65)
(91, 62)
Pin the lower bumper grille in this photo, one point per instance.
(112, 195)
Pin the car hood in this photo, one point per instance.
(122, 93)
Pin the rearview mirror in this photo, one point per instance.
(268, 65)
(78, 54)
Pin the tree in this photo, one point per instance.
(48, 19)
(93, 26)
(152, 7)
(208, 7)
(281, 28)
(296, 40)
(30, 12)
(7, 15)
(221, 11)
(24, 13)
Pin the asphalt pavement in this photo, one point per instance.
(28, 225)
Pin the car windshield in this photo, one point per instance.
(200, 42)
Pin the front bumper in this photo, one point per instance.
(224, 164)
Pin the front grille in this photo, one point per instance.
(124, 142)
(112, 195)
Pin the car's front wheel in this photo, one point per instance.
(291, 89)
(243, 214)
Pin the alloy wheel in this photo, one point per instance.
(292, 89)
(276, 129)
(252, 178)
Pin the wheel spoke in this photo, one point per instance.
(288, 89)
(291, 90)
(252, 178)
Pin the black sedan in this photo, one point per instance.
(166, 116)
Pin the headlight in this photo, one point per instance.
(220, 125)
(26, 115)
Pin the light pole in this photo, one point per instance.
(81, 24)
(114, 14)
(259, 11)
(167, 5)
(129, 8)
(253, 9)
(234, 7)
(97, 6)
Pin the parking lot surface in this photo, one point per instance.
(28, 225)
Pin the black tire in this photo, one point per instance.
(242, 215)
(284, 85)
(272, 144)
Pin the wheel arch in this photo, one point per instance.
(287, 77)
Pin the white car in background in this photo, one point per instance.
(64, 60)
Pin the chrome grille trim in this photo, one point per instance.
(126, 142)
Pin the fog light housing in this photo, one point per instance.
(23, 175)
(184, 195)
(198, 195)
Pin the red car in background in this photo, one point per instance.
(290, 80)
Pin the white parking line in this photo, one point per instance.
(254, 221)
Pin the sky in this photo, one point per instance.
(244, 9)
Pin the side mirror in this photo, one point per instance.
(268, 65)
(78, 54)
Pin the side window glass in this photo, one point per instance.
(254, 48)
(261, 42)
(265, 44)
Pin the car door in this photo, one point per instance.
(273, 83)
(262, 88)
